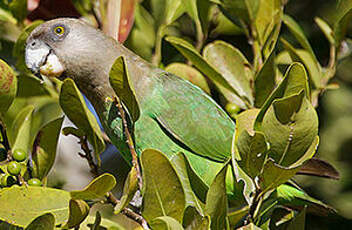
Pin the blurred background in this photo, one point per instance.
(335, 106)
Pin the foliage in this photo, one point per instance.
(271, 92)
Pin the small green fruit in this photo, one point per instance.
(19, 155)
(34, 182)
(14, 168)
(3, 154)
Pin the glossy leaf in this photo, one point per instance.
(326, 29)
(91, 223)
(296, 197)
(264, 82)
(187, 50)
(232, 65)
(183, 170)
(192, 219)
(216, 204)
(199, 12)
(19, 136)
(165, 223)
(274, 175)
(121, 83)
(129, 189)
(20, 205)
(245, 10)
(253, 151)
(342, 19)
(297, 31)
(290, 126)
(189, 73)
(166, 11)
(8, 87)
(96, 188)
(79, 210)
(303, 56)
(43, 222)
(72, 103)
(295, 81)
(44, 156)
(163, 193)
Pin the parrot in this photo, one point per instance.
(175, 115)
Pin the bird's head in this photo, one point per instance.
(68, 46)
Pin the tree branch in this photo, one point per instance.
(129, 142)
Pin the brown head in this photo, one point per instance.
(70, 47)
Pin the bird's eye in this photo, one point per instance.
(59, 30)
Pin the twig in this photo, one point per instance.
(88, 156)
(129, 142)
(128, 212)
(6, 144)
(110, 197)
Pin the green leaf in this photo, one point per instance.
(199, 12)
(97, 188)
(103, 223)
(187, 50)
(290, 126)
(236, 216)
(20, 45)
(297, 31)
(165, 223)
(121, 83)
(294, 81)
(216, 204)
(342, 20)
(274, 175)
(163, 193)
(264, 82)
(44, 156)
(72, 103)
(253, 151)
(20, 205)
(295, 197)
(183, 170)
(79, 210)
(326, 29)
(232, 65)
(166, 12)
(192, 219)
(129, 189)
(189, 73)
(8, 87)
(19, 9)
(20, 137)
(303, 56)
(245, 10)
(143, 30)
(268, 24)
(43, 222)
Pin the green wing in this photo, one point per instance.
(190, 117)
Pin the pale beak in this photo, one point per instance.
(40, 58)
